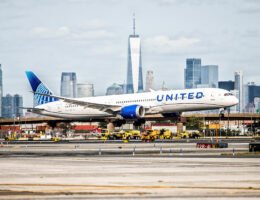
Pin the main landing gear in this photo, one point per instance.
(222, 112)
(139, 122)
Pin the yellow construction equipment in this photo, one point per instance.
(190, 134)
(104, 134)
(55, 139)
(11, 136)
(134, 134)
(117, 135)
(150, 135)
(165, 134)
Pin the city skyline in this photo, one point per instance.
(96, 48)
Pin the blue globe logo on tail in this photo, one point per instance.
(39, 88)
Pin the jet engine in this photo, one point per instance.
(132, 112)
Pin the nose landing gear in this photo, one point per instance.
(222, 112)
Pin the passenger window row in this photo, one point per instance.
(135, 101)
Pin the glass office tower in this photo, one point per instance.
(134, 80)
(239, 86)
(192, 73)
(68, 84)
(209, 76)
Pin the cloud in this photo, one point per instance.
(95, 24)
(93, 34)
(105, 50)
(250, 10)
(164, 44)
(48, 33)
(253, 33)
(249, 7)
(189, 2)
(65, 32)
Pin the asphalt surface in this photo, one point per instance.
(128, 171)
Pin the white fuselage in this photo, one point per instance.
(154, 102)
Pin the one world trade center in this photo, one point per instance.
(134, 81)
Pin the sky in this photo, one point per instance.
(90, 37)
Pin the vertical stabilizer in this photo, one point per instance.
(39, 88)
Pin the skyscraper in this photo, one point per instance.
(18, 104)
(149, 84)
(192, 72)
(68, 84)
(134, 79)
(85, 90)
(226, 85)
(239, 86)
(253, 92)
(12, 106)
(7, 107)
(1, 89)
(209, 76)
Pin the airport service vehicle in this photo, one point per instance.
(165, 134)
(132, 107)
(149, 135)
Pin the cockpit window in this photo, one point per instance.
(228, 94)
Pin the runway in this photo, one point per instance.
(68, 171)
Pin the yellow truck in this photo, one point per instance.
(189, 134)
(165, 134)
(134, 134)
(120, 134)
(55, 139)
(104, 134)
(150, 135)
(117, 135)
(11, 136)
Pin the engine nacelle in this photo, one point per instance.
(132, 112)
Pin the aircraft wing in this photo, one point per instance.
(32, 109)
(103, 107)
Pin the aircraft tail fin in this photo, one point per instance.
(39, 88)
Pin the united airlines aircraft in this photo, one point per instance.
(127, 106)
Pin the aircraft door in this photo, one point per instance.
(212, 97)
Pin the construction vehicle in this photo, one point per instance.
(188, 134)
(55, 139)
(165, 134)
(117, 135)
(180, 135)
(104, 134)
(150, 135)
(134, 134)
(184, 134)
(129, 134)
(11, 136)
(195, 134)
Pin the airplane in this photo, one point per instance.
(127, 106)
